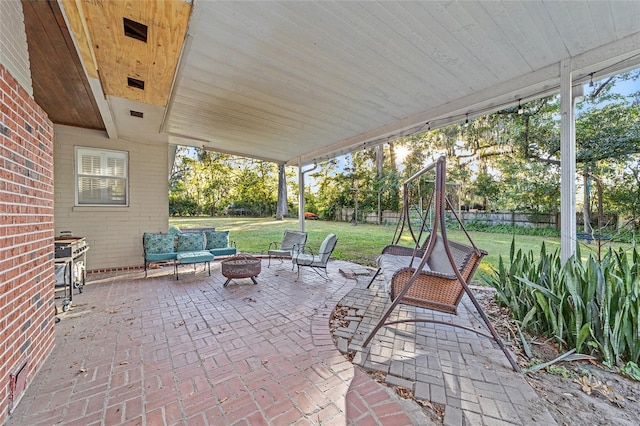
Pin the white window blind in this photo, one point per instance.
(101, 177)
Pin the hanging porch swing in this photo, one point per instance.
(435, 273)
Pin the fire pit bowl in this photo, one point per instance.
(241, 266)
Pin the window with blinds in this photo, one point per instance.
(102, 177)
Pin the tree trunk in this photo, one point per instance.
(282, 208)
(392, 157)
(394, 193)
(586, 207)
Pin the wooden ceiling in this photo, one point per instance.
(62, 71)
(119, 57)
(305, 81)
(60, 85)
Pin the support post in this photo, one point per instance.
(301, 197)
(301, 207)
(567, 164)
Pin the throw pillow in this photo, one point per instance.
(217, 240)
(158, 243)
(190, 242)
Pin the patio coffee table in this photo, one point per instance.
(241, 266)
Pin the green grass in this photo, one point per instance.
(359, 244)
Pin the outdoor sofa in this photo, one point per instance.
(186, 246)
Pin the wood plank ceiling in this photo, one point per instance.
(63, 71)
(60, 85)
(297, 82)
(119, 57)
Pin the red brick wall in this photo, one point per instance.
(26, 235)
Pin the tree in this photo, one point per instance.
(212, 173)
(328, 189)
(255, 186)
(487, 188)
(282, 208)
(379, 176)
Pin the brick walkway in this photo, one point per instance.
(466, 373)
(159, 351)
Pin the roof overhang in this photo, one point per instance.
(299, 82)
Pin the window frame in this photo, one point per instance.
(104, 154)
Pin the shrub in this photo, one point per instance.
(510, 229)
(592, 307)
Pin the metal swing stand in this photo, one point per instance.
(432, 284)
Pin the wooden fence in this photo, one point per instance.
(526, 220)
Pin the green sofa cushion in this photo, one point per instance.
(194, 256)
(226, 251)
(174, 230)
(157, 257)
(156, 243)
(190, 242)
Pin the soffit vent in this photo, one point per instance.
(135, 83)
(136, 113)
(135, 30)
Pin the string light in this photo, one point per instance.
(451, 118)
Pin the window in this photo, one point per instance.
(102, 177)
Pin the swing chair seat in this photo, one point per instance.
(437, 286)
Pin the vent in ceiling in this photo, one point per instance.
(135, 30)
(135, 83)
(136, 113)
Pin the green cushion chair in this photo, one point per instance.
(157, 247)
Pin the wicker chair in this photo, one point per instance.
(436, 287)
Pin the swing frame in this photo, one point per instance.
(425, 278)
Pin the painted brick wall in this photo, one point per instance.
(26, 235)
(13, 43)
(114, 234)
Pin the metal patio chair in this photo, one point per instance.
(292, 242)
(316, 261)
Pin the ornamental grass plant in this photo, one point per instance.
(591, 306)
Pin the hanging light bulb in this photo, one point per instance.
(466, 122)
(520, 109)
(591, 80)
(428, 125)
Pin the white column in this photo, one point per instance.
(567, 164)
(301, 197)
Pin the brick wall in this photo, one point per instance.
(13, 43)
(26, 235)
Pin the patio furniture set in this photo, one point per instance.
(294, 246)
(202, 245)
(434, 274)
(199, 245)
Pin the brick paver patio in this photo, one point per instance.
(466, 373)
(190, 352)
(158, 351)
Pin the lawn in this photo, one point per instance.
(360, 244)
